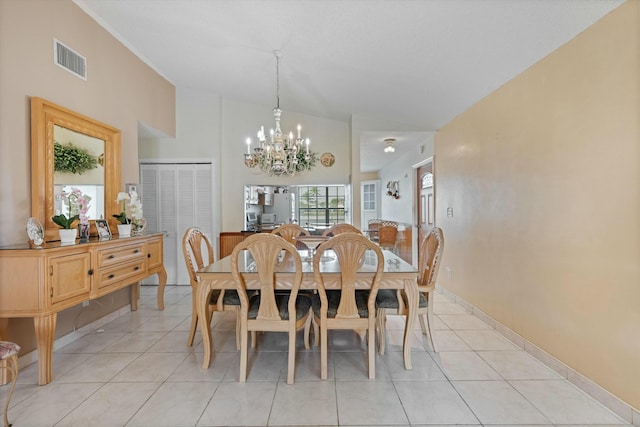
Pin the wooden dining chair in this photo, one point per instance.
(394, 301)
(387, 235)
(268, 310)
(347, 308)
(336, 229)
(194, 242)
(289, 232)
(372, 228)
(9, 362)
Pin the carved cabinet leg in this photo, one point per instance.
(45, 328)
(162, 282)
(135, 295)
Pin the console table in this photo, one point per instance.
(39, 282)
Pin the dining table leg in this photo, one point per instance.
(203, 293)
(411, 291)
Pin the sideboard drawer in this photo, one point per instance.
(120, 254)
(129, 273)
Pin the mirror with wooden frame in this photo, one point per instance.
(69, 149)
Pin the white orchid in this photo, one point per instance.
(132, 211)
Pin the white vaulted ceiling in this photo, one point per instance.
(418, 62)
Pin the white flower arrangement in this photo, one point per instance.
(132, 211)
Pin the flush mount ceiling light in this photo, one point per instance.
(389, 148)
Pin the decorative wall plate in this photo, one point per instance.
(35, 231)
(327, 159)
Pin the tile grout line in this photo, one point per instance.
(597, 392)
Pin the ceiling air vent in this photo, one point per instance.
(67, 58)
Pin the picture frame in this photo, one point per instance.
(102, 226)
(131, 187)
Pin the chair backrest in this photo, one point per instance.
(290, 231)
(350, 251)
(430, 255)
(192, 244)
(387, 235)
(340, 228)
(265, 250)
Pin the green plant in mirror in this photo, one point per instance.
(68, 158)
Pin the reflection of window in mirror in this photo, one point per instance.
(96, 192)
(86, 174)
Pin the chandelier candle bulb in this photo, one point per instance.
(248, 145)
(307, 142)
(299, 128)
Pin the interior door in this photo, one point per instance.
(426, 202)
(174, 197)
(370, 202)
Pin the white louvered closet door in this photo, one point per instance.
(176, 197)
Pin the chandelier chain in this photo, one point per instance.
(277, 54)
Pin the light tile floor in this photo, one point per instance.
(138, 371)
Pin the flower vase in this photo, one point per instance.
(68, 235)
(124, 230)
(83, 232)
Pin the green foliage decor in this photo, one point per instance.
(68, 158)
(303, 164)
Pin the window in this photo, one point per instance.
(321, 205)
(369, 197)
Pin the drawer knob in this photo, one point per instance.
(90, 272)
(148, 255)
(111, 276)
(136, 251)
(112, 256)
(136, 269)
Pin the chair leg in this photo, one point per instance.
(429, 323)
(316, 332)
(292, 353)
(307, 328)
(371, 347)
(244, 350)
(381, 320)
(423, 325)
(12, 366)
(238, 327)
(323, 349)
(192, 329)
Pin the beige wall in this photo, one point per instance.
(543, 178)
(120, 91)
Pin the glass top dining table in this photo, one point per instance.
(398, 274)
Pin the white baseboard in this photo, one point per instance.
(615, 404)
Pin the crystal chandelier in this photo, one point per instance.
(280, 153)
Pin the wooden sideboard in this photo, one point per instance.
(40, 282)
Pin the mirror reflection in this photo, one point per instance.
(79, 163)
